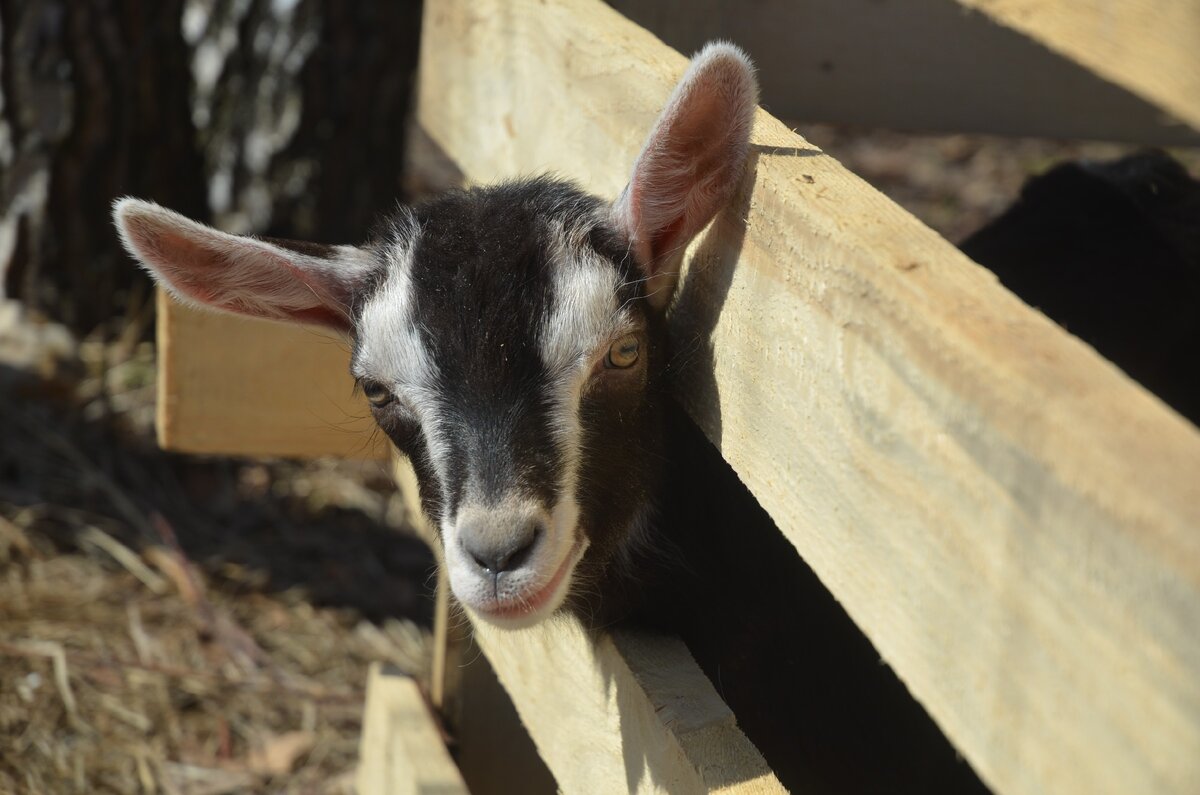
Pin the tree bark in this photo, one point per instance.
(279, 116)
(95, 106)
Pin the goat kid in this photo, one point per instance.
(511, 341)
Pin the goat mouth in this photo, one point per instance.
(514, 610)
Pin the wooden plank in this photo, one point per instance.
(1011, 521)
(931, 65)
(402, 750)
(924, 65)
(1148, 46)
(451, 632)
(625, 712)
(494, 751)
(236, 386)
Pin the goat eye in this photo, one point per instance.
(378, 395)
(623, 353)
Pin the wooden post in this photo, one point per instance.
(402, 751)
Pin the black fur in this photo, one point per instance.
(1111, 251)
(481, 276)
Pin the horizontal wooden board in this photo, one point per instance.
(623, 712)
(402, 752)
(934, 65)
(235, 386)
(1011, 520)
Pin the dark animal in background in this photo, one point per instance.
(1111, 251)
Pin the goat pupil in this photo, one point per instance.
(377, 393)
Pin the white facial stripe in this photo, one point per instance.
(391, 350)
(584, 313)
(584, 317)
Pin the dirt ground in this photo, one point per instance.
(194, 625)
(178, 624)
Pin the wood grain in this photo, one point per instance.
(402, 751)
(235, 386)
(625, 712)
(1012, 521)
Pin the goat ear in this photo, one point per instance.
(274, 279)
(691, 163)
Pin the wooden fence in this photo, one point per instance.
(1012, 522)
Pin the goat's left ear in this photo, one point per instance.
(691, 164)
(273, 279)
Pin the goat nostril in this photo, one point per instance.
(508, 556)
(480, 560)
(523, 548)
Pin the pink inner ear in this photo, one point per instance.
(321, 316)
(230, 273)
(693, 159)
(279, 280)
(187, 266)
(667, 238)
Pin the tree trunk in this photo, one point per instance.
(278, 116)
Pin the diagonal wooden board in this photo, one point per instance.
(1011, 520)
(623, 712)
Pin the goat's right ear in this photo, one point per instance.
(691, 164)
(278, 280)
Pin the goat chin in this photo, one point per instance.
(535, 605)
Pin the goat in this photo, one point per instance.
(511, 341)
(1111, 251)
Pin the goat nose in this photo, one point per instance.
(504, 552)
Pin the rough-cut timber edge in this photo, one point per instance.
(402, 750)
(237, 386)
(1012, 521)
(626, 712)
(1146, 46)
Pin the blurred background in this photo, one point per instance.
(172, 623)
(198, 624)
